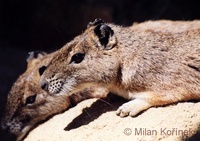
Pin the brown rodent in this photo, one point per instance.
(148, 68)
(27, 104)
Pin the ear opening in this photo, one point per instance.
(34, 55)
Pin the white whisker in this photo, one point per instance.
(68, 86)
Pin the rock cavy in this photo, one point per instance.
(148, 68)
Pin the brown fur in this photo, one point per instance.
(149, 68)
(20, 117)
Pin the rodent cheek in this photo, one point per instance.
(41, 98)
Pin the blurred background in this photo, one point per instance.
(27, 25)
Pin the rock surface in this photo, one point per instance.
(95, 119)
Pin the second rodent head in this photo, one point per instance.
(27, 104)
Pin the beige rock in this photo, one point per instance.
(94, 119)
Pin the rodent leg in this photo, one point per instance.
(133, 107)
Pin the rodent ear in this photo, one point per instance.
(96, 22)
(34, 55)
(105, 35)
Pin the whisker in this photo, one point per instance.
(107, 103)
(80, 98)
(87, 113)
(63, 90)
(66, 89)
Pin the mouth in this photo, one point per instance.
(24, 132)
(22, 136)
(12, 135)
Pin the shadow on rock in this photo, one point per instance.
(110, 103)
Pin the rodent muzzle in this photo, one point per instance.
(5, 133)
(44, 86)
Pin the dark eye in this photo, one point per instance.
(42, 69)
(30, 99)
(77, 58)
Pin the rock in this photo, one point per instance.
(95, 119)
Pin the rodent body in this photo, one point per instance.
(148, 68)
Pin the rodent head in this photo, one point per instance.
(27, 104)
(88, 60)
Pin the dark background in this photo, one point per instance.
(27, 25)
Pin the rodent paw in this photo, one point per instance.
(132, 108)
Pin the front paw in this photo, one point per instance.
(132, 108)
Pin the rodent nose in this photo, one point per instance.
(44, 86)
(5, 134)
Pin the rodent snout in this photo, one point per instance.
(53, 84)
(44, 86)
(5, 132)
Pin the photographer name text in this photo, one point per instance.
(161, 131)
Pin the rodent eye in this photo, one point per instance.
(30, 99)
(77, 58)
